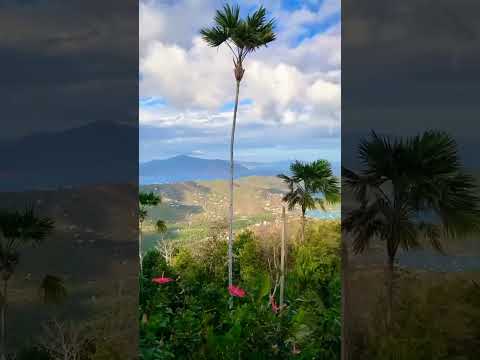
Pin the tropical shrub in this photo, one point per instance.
(190, 317)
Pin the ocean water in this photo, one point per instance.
(428, 260)
(325, 215)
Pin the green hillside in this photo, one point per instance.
(189, 208)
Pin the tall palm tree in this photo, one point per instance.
(242, 36)
(17, 231)
(145, 200)
(310, 184)
(409, 191)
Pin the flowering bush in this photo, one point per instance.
(191, 318)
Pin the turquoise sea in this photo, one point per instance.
(327, 215)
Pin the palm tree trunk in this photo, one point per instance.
(303, 226)
(282, 257)
(4, 322)
(389, 287)
(345, 308)
(140, 247)
(230, 232)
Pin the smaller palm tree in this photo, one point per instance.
(19, 230)
(145, 200)
(310, 184)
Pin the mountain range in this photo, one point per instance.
(96, 153)
(188, 168)
(106, 152)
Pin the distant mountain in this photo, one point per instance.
(99, 152)
(188, 168)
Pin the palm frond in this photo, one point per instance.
(365, 223)
(246, 35)
(407, 178)
(142, 214)
(149, 199)
(228, 17)
(214, 36)
(25, 226)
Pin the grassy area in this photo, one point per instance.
(185, 233)
(436, 315)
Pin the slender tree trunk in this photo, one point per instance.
(345, 306)
(140, 247)
(303, 226)
(389, 287)
(282, 257)
(4, 321)
(230, 231)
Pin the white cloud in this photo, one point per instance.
(288, 85)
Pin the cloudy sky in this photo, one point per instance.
(289, 96)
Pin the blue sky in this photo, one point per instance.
(289, 98)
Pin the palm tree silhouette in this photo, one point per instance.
(17, 231)
(409, 191)
(242, 36)
(145, 200)
(311, 184)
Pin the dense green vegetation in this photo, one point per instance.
(437, 316)
(190, 318)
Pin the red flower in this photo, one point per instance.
(236, 291)
(162, 280)
(275, 307)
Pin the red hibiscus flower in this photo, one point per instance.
(162, 280)
(236, 291)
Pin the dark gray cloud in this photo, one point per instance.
(67, 63)
(410, 53)
(410, 66)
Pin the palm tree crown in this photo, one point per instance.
(145, 200)
(242, 36)
(309, 185)
(410, 190)
(18, 229)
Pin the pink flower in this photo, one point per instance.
(236, 291)
(275, 307)
(162, 280)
